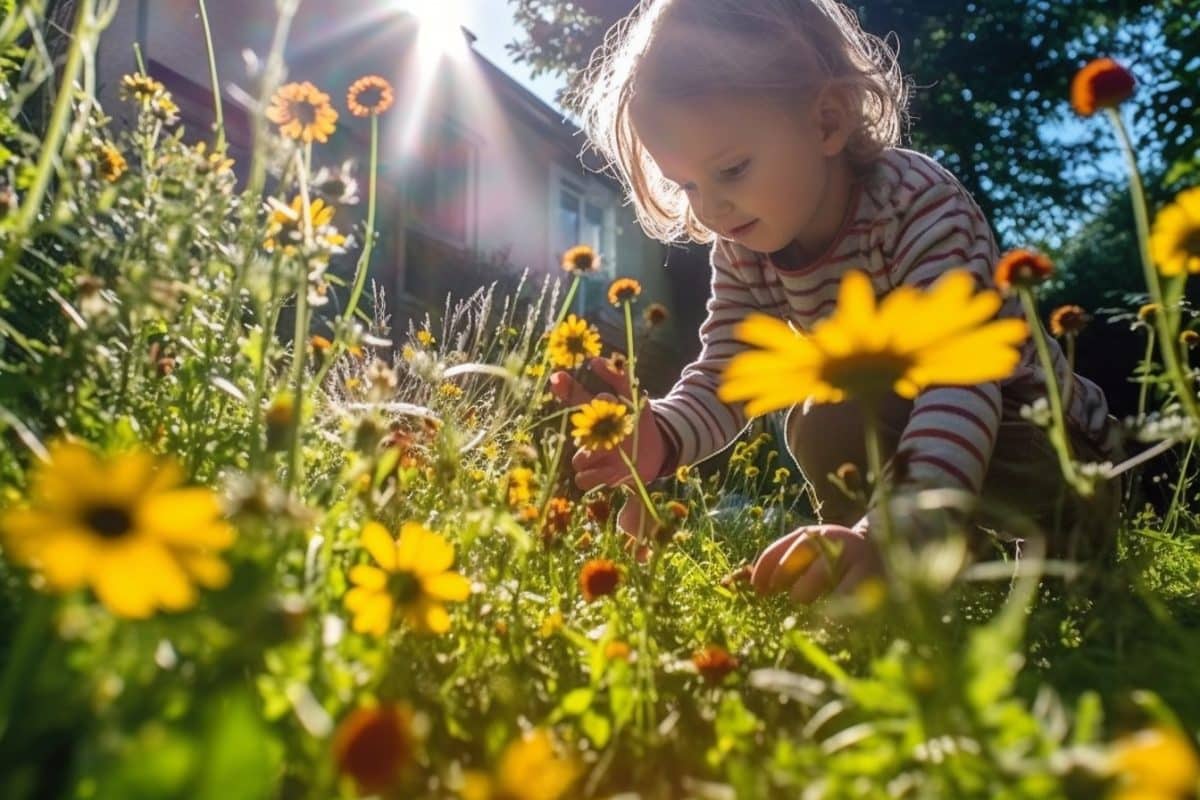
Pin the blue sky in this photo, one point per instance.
(492, 22)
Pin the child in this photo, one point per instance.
(770, 128)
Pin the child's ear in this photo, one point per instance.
(833, 119)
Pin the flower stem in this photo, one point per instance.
(218, 111)
(1164, 321)
(51, 143)
(1147, 367)
(1058, 423)
(881, 490)
(364, 259)
(641, 487)
(26, 644)
(634, 393)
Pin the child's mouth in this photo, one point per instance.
(742, 230)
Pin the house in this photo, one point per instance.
(479, 179)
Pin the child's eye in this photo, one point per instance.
(737, 170)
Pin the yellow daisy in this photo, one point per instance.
(529, 769)
(520, 486)
(580, 259)
(112, 163)
(913, 339)
(140, 87)
(573, 342)
(123, 525)
(413, 577)
(1156, 763)
(1175, 237)
(285, 226)
(623, 290)
(302, 112)
(370, 94)
(601, 424)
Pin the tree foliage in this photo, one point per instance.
(991, 86)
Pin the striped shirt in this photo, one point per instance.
(909, 221)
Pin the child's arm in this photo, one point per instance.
(951, 432)
(694, 422)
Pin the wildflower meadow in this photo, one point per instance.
(258, 544)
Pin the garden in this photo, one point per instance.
(258, 544)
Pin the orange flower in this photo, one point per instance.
(302, 111)
(598, 578)
(655, 314)
(319, 343)
(714, 663)
(1189, 338)
(1022, 268)
(617, 650)
(581, 259)
(623, 290)
(1068, 320)
(369, 95)
(373, 745)
(1102, 83)
(558, 519)
(599, 508)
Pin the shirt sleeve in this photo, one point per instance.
(951, 431)
(694, 423)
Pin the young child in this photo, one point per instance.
(769, 128)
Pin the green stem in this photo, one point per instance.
(881, 490)
(631, 356)
(364, 259)
(1180, 483)
(31, 637)
(300, 334)
(51, 143)
(1147, 367)
(545, 376)
(1058, 422)
(361, 268)
(218, 111)
(1165, 319)
(641, 487)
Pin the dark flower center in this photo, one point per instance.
(404, 587)
(1191, 242)
(371, 96)
(574, 343)
(110, 522)
(606, 428)
(306, 112)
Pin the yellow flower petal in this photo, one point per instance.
(185, 517)
(432, 617)
(447, 586)
(368, 577)
(208, 570)
(380, 545)
(120, 581)
(422, 551)
(375, 614)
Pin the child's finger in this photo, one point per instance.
(604, 475)
(813, 582)
(615, 378)
(568, 390)
(768, 561)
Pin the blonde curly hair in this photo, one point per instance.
(787, 49)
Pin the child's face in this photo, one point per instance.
(754, 170)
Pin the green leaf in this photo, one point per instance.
(577, 701)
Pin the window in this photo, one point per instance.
(584, 213)
(442, 187)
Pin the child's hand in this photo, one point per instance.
(606, 467)
(813, 560)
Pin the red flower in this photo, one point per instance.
(598, 578)
(373, 746)
(714, 663)
(1022, 268)
(1102, 83)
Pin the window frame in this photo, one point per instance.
(417, 218)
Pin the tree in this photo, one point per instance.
(992, 80)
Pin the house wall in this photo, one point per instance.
(519, 144)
